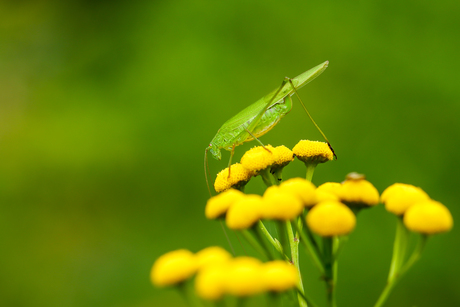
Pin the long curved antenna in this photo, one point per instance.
(311, 118)
(206, 170)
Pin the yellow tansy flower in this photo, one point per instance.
(356, 190)
(173, 267)
(400, 196)
(280, 205)
(312, 151)
(219, 204)
(258, 158)
(245, 212)
(428, 217)
(279, 276)
(334, 188)
(211, 255)
(323, 195)
(210, 282)
(331, 218)
(283, 156)
(239, 176)
(244, 277)
(301, 188)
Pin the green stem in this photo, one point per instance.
(312, 248)
(249, 236)
(267, 178)
(330, 269)
(270, 239)
(310, 170)
(399, 248)
(294, 243)
(190, 298)
(401, 271)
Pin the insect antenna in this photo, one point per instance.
(311, 118)
(206, 170)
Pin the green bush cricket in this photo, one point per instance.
(260, 117)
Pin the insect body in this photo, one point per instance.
(258, 118)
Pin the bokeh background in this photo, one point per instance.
(106, 108)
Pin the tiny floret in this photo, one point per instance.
(356, 190)
(301, 188)
(173, 268)
(400, 196)
(239, 176)
(428, 217)
(313, 151)
(331, 218)
(258, 158)
(218, 205)
(279, 276)
(245, 212)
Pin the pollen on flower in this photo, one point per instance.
(283, 155)
(173, 268)
(244, 212)
(239, 176)
(331, 218)
(356, 190)
(428, 217)
(279, 276)
(301, 188)
(258, 158)
(400, 196)
(218, 205)
(313, 151)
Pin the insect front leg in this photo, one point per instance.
(230, 161)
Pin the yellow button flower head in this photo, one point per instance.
(280, 205)
(279, 276)
(400, 196)
(323, 195)
(239, 176)
(334, 188)
(258, 158)
(428, 217)
(218, 205)
(173, 268)
(210, 282)
(244, 277)
(301, 188)
(245, 212)
(283, 156)
(331, 218)
(357, 191)
(211, 255)
(312, 151)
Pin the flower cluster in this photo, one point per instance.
(217, 273)
(261, 159)
(319, 218)
(420, 213)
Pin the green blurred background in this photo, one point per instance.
(106, 108)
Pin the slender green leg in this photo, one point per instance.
(230, 161)
(311, 118)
